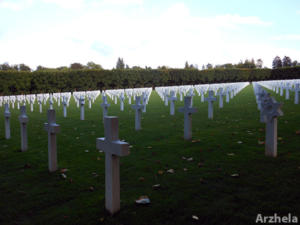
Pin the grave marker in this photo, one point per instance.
(52, 128)
(172, 100)
(114, 149)
(210, 99)
(187, 110)
(7, 121)
(23, 118)
(104, 106)
(271, 110)
(138, 112)
(81, 100)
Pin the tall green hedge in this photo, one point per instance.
(12, 82)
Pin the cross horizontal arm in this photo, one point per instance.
(119, 148)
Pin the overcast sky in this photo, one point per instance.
(57, 33)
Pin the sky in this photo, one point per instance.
(153, 33)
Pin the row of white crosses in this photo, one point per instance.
(169, 94)
(284, 85)
(269, 111)
(23, 118)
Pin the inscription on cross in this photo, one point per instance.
(114, 149)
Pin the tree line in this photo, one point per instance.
(246, 64)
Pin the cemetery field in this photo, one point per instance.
(221, 176)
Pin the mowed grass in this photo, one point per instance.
(226, 145)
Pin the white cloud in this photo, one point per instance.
(287, 37)
(15, 5)
(170, 38)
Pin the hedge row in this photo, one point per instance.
(12, 82)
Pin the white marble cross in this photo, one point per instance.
(271, 110)
(40, 104)
(122, 98)
(191, 93)
(144, 101)
(114, 149)
(52, 128)
(227, 95)
(166, 97)
(81, 100)
(104, 106)
(90, 102)
(64, 102)
(138, 112)
(297, 89)
(210, 99)
(187, 110)
(172, 100)
(51, 101)
(287, 91)
(7, 121)
(221, 94)
(23, 118)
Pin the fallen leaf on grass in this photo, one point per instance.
(195, 217)
(91, 188)
(149, 147)
(141, 179)
(200, 164)
(98, 158)
(194, 141)
(298, 132)
(86, 150)
(130, 146)
(160, 172)
(101, 219)
(239, 142)
(261, 142)
(185, 169)
(156, 186)
(143, 200)
(27, 166)
(63, 170)
(190, 159)
(235, 175)
(63, 175)
(279, 138)
(230, 154)
(183, 158)
(170, 171)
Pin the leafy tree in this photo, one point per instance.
(62, 68)
(120, 63)
(92, 65)
(294, 63)
(127, 67)
(76, 66)
(259, 63)
(5, 66)
(186, 66)
(23, 67)
(203, 67)
(209, 66)
(277, 63)
(286, 61)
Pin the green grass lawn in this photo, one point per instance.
(31, 195)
